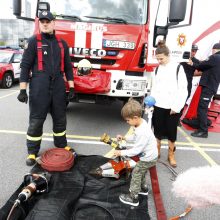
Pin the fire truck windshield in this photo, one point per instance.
(112, 11)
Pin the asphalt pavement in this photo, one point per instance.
(85, 124)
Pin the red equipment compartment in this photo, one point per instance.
(96, 82)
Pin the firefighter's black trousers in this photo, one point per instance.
(46, 95)
(202, 111)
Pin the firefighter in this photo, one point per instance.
(45, 59)
(190, 70)
(209, 82)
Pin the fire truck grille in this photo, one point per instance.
(107, 62)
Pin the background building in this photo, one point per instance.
(13, 29)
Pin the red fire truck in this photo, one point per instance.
(10, 58)
(117, 37)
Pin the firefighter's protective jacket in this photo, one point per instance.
(51, 58)
(211, 72)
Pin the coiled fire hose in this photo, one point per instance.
(56, 159)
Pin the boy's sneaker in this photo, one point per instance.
(31, 160)
(128, 199)
(144, 191)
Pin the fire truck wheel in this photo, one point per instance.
(7, 81)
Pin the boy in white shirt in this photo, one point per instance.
(143, 144)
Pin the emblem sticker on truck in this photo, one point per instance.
(119, 44)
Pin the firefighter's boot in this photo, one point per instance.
(171, 157)
(31, 160)
(70, 149)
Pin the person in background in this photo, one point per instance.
(143, 144)
(191, 70)
(209, 82)
(169, 88)
(47, 58)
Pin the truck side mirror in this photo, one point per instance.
(17, 7)
(43, 6)
(177, 11)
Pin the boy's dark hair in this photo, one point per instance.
(131, 108)
(162, 48)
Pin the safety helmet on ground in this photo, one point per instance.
(84, 67)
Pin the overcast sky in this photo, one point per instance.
(6, 9)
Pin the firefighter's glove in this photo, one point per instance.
(71, 94)
(23, 97)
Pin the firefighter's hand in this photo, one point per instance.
(23, 97)
(117, 153)
(71, 94)
(190, 62)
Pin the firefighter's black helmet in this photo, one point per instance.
(194, 47)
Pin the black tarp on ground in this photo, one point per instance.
(77, 195)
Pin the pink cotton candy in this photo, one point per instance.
(200, 187)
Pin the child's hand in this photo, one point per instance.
(119, 137)
(117, 153)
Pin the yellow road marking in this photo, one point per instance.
(197, 147)
(12, 93)
(110, 154)
(189, 143)
(51, 135)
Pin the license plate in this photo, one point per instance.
(134, 85)
(119, 44)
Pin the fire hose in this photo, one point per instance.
(33, 183)
(56, 159)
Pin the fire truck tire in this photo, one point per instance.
(7, 80)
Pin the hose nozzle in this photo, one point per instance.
(107, 139)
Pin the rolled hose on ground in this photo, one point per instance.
(56, 159)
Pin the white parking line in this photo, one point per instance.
(163, 146)
(12, 93)
(77, 141)
(193, 149)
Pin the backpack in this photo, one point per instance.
(177, 71)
